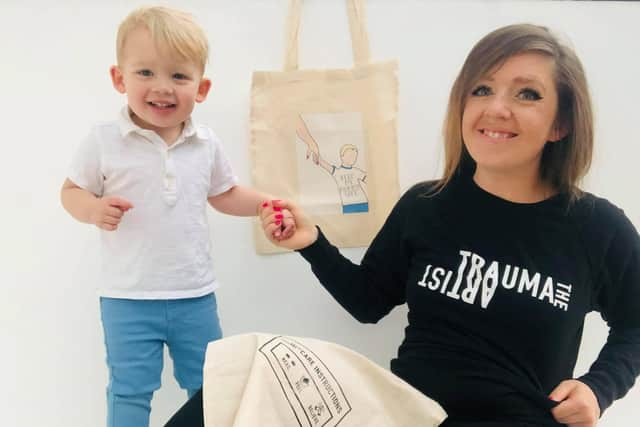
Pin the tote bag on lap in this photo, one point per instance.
(263, 380)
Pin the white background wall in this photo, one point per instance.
(55, 84)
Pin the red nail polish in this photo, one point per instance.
(279, 216)
(277, 208)
(278, 222)
(265, 204)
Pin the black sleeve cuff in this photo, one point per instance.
(317, 249)
(603, 401)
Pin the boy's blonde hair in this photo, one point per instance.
(347, 147)
(564, 163)
(175, 29)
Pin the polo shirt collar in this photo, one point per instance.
(127, 126)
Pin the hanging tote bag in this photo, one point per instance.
(327, 138)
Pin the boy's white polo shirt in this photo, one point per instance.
(161, 249)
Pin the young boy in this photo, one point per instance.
(144, 180)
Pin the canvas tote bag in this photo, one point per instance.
(267, 380)
(327, 138)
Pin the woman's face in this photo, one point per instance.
(510, 115)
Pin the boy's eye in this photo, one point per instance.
(481, 90)
(145, 73)
(180, 76)
(527, 94)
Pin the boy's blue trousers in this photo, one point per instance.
(135, 332)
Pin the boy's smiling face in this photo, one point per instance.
(161, 88)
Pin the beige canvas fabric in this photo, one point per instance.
(279, 381)
(327, 138)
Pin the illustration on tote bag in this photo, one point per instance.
(336, 162)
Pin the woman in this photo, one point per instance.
(500, 260)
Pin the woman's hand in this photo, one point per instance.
(303, 234)
(578, 405)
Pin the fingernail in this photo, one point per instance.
(277, 208)
(278, 222)
(279, 216)
(265, 204)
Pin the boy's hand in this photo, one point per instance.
(303, 234)
(107, 212)
(287, 226)
(284, 223)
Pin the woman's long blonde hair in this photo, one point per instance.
(564, 163)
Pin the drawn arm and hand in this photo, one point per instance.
(312, 146)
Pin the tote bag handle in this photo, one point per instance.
(357, 26)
